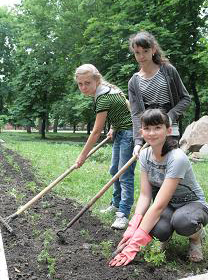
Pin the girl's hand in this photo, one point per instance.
(110, 133)
(139, 239)
(132, 227)
(136, 151)
(80, 161)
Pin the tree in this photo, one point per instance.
(7, 35)
(74, 109)
(41, 79)
(177, 24)
(3, 121)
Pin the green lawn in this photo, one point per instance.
(51, 157)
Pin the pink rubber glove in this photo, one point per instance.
(132, 227)
(139, 239)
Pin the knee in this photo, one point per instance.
(184, 224)
(161, 231)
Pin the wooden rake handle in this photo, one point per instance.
(55, 182)
(101, 192)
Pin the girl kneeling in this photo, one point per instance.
(178, 203)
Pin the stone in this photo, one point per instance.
(196, 277)
(195, 135)
(204, 150)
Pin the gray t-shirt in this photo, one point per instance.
(175, 165)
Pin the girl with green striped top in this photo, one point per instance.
(111, 105)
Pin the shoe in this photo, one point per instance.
(110, 209)
(195, 252)
(121, 221)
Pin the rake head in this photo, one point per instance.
(5, 223)
(61, 237)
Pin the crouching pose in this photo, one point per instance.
(167, 179)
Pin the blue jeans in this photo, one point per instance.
(123, 191)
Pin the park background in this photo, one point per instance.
(43, 41)
(41, 44)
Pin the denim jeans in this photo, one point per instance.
(123, 191)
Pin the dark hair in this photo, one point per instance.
(155, 117)
(146, 40)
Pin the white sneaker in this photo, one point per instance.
(121, 221)
(110, 209)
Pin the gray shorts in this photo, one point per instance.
(185, 220)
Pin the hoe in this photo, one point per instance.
(7, 220)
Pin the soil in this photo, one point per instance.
(36, 253)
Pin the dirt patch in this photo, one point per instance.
(35, 253)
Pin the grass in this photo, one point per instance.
(51, 157)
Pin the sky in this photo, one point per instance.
(9, 2)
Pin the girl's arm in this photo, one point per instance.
(161, 201)
(94, 136)
(141, 208)
(145, 196)
(182, 94)
(137, 106)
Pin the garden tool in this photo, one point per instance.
(8, 219)
(61, 232)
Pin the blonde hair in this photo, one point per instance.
(88, 69)
(93, 71)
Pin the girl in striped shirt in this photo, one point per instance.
(111, 105)
(157, 84)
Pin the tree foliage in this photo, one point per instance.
(51, 38)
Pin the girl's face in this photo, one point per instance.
(155, 135)
(142, 55)
(87, 84)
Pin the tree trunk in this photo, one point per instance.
(74, 128)
(28, 128)
(47, 123)
(55, 125)
(196, 97)
(43, 127)
(1, 105)
(39, 125)
(88, 128)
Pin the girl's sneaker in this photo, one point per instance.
(121, 221)
(110, 209)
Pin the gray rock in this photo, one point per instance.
(197, 277)
(196, 134)
(204, 150)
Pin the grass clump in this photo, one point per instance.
(45, 257)
(153, 253)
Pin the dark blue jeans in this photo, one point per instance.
(123, 192)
